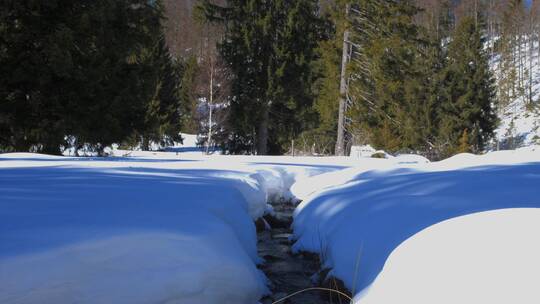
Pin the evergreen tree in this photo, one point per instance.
(269, 46)
(327, 74)
(436, 34)
(36, 47)
(76, 68)
(387, 76)
(468, 96)
(188, 99)
(119, 78)
(163, 119)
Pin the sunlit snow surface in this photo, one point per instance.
(356, 225)
(488, 257)
(162, 227)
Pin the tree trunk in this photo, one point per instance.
(210, 104)
(340, 141)
(262, 134)
(531, 54)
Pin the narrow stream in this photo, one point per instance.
(287, 272)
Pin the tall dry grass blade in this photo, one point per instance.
(311, 289)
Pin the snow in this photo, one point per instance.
(306, 186)
(127, 232)
(357, 222)
(362, 151)
(208, 265)
(167, 227)
(155, 227)
(488, 257)
(189, 146)
(519, 124)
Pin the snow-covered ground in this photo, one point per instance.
(155, 227)
(167, 227)
(488, 257)
(146, 231)
(519, 123)
(519, 126)
(356, 223)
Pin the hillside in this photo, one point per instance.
(519, 120)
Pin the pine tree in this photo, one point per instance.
(75, 69)
(327, 85)
(36, 48)
(188, 99)
(269, 46)
(386, 78)
(468, 96)
(163, 119)
(119, 77)
(435, 33)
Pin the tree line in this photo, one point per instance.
(403, 76)
(265, 77)
(87, 74)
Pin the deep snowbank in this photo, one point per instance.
(96, 231)
(488, 257)
(156, 227)
(355, 226)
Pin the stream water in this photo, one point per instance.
(288, 272)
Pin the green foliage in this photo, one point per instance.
(79, 69)
(387, 83)
(99, 72)
(163, 118)
(269, 47)
(468, 92)
(408, 89)
(187, 97)
(327, 71)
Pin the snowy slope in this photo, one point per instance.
(520, 125)
(488, 257)
(357, 224)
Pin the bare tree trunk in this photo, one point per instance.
(262, 135)
(210, 105)
(476, 13)
(531, 54)
(521, 65)
(340, 141)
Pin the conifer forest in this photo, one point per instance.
(429, 77)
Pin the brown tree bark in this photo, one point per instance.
(340, 140)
